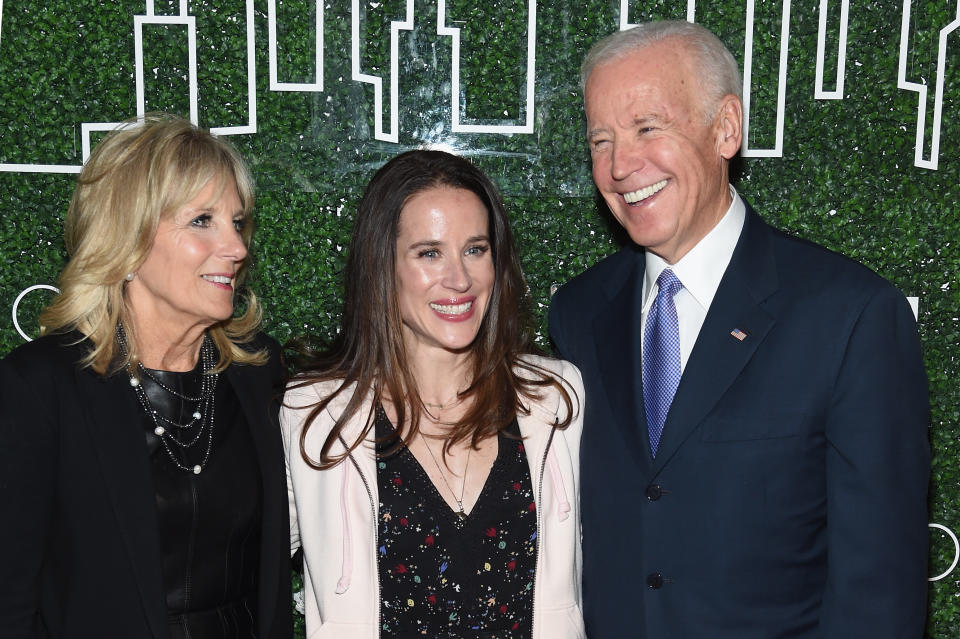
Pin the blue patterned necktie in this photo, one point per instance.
(661, 356)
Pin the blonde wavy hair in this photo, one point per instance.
(144, 171)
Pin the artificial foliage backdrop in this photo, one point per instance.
(852, 141)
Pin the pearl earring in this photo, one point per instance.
(130, 277)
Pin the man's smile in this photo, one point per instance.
(641, 194)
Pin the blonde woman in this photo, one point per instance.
(140, 461)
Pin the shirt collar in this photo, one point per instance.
(702, 268)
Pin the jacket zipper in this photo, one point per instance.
(536, 565)
(373, 510)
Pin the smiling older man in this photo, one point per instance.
(755, 457)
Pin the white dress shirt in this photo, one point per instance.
(700, 272)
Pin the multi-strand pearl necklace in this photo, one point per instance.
(174, 433)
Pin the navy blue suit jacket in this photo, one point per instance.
(788, 495)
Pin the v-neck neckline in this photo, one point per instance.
(438, 503)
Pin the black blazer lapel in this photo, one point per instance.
(109, 410)
(252, 385)
(718, 356)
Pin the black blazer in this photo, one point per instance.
(79, 548)
(788, 495)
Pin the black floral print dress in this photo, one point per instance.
(443, 577)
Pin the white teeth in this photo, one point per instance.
(219, 279)
(451, 309)
(644, 193)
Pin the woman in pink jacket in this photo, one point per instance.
(432, 455)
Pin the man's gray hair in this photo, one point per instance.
(713, 63)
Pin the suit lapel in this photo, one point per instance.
(111, 414)
(718, 357)
(618, 348)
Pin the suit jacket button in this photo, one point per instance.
(655, 580)
(654, 492)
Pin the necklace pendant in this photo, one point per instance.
(462, 516)
(159, 430)
(197, 469)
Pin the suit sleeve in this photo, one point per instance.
(878, 463)
(28, 462)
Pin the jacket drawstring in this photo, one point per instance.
(346, 567)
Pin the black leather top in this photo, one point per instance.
(209, 523)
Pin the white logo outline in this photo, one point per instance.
(309, 87)
(454, 34)
(921, 89)
(819, 93)
(956, 554)
(16, 304)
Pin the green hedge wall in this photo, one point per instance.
(846, 176)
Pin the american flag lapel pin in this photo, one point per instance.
(738, 334)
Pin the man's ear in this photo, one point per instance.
(729, 126)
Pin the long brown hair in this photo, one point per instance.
(369, 350)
